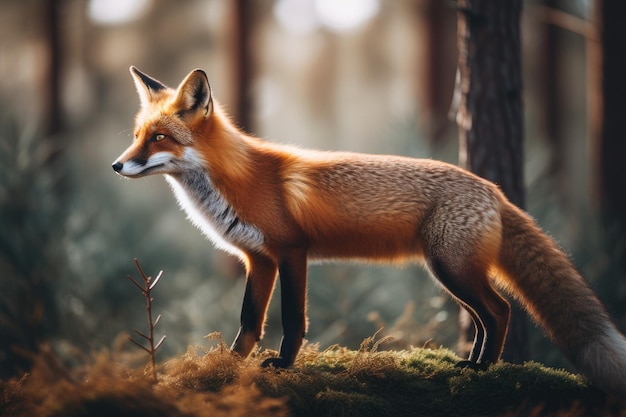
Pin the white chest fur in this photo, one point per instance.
(211, 213)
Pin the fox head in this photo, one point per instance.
(164, 125)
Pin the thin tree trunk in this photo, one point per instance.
(434, 19)
(551, 117)
(52, 36)
(243, 62)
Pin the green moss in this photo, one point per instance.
(335, 382)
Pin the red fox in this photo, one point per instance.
(276, 207)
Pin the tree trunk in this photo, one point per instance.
(606, 91)
(609, 105)
(551, 115)
(490, 112)
(53, 122)
(435, 20)
(243, 66)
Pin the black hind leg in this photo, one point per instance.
(489, 311)
(478, 343)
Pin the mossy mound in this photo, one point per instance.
(335, 382)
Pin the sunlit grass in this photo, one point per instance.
(336, 381)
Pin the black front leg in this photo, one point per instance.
(261, 276)
(293, 276)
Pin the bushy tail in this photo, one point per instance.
(560, 300)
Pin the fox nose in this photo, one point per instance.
(117, 166)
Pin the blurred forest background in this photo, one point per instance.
(373, 76)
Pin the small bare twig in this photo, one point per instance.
(148, 285)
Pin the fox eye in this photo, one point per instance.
(158, 137)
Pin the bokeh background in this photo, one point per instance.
(371, 76)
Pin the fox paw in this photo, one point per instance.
(278, 363)
(472, 365)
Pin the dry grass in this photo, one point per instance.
(335, 382)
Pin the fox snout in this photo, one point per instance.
(118, 166)
(136, 167)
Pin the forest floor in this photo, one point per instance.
(334, 382)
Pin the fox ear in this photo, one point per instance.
(194, 94)
(147, 87)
